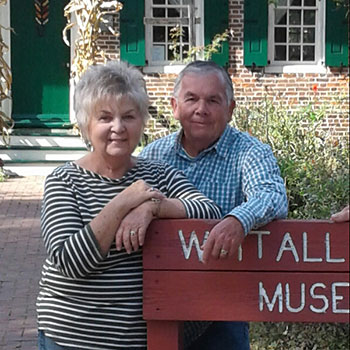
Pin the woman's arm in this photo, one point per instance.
(76, 248)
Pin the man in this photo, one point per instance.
(236, 170)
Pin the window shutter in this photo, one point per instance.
(255, 32)
(216, 22)
(337, 51)
(132, 32)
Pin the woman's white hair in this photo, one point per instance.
(113, 79)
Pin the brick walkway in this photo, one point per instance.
(21, 257)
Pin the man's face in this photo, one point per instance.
(201, 107)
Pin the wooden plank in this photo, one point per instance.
(283, 245)
(164, 335)
(248, 296)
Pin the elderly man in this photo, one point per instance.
(236, 170)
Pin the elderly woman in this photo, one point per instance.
(95, 214)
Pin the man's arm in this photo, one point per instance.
(266, 200)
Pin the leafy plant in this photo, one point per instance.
(194, 52)
(88, 14)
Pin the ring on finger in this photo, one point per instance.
(223, 252)
(132, 233)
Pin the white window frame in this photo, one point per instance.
(317, 66)
(198, 36)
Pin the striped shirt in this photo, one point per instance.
(238, 172)
(87, 301)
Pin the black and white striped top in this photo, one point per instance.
(87, 301)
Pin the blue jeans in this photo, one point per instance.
(45, 343)
(223, 335)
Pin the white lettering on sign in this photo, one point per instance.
(270, 304)
(328, 251)
(284, 298)
(338, 297)
(305, 251)
(287, 245)
(187, 249)
(320, 297)
(260, 241)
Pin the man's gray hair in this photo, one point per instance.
(204, 68)
(113, 79)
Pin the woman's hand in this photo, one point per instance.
(137, 193)
(132, 230)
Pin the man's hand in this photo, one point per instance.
(342, 216)
(224, 239)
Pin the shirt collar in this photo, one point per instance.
(220, 146)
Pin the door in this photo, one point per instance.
(40, 66)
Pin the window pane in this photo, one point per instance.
(187, 2)
(294, 35)
(309, 2)
(294, 17)
(280, 53)
(294, 53)
(158, 53)
(309, 17)
(173, 13)
(158, 34)
(174, 2)
(282, 3)
(159, 12)
(184, 13)
(308, 53)
(280, 16)
(280, 35)
(309, 35)
(158, 2)
(295, 2)
(185, 37)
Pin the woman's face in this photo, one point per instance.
(115, 127)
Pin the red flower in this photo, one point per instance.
(314, 88)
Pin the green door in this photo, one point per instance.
(39, 62)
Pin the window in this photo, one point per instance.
(146, 29)
(295, 35)
(296, 32)
(172, 27)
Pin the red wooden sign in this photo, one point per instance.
(286, 271)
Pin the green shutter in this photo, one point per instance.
(255, 32)
(216, 22)
(132, 32)
(336, 35)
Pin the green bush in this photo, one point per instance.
(315, 167)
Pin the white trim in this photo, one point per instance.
(73, 37)
(169, 69)
(6, 34)
(319, 69)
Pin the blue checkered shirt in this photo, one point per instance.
(238, 172)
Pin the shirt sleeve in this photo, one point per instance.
(263, 188)
(71, 245)
(197, 205)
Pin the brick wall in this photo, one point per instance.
(251, 86)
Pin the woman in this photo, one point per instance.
(95, 214)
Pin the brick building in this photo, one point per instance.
(292, 50)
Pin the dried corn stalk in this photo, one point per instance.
(89, 16)
(6, 122)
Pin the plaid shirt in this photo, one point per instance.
(238, 172)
